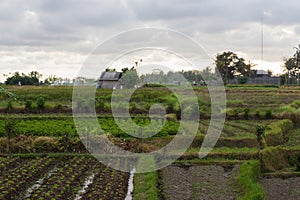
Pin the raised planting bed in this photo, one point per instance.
(60, 177)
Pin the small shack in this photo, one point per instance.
(109, 80)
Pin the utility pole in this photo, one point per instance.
(297, 61)
(262, 40)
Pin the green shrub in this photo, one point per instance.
(247, 112)
(229, 112)
(172, 105)
(9, 105)
(287, 108)
(295, 104)
(248, 180)
(294, 159)
(295, 117)
(40, 102)
(171, 117)
(260, 135)
(268, 114)
(273, 158)
(243, 80)
(236, 112)
(298, 163)
(275, 135)
(286, 125)
(28, 105)
(191, 112)
(257, 114)
(58, 107)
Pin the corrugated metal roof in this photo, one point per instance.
(260, 71)
(110, 76)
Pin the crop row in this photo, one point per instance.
(66, 126)
(57, 178)
(13, 182)
(60, 127)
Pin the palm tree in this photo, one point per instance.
(289, 65)
(297, 59)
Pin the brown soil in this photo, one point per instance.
(199, 182)
(282, 189)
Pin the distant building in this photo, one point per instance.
(62, 82)
(109, 80)
(259, 76)
(261, 73)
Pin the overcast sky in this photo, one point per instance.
(55, 37)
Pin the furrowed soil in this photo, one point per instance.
(199, 182)
(282, 189)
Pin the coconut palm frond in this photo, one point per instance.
(11, 95)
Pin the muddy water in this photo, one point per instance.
(130, 185)
(38, 183)
(86, 184)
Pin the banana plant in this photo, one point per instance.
(4, 92)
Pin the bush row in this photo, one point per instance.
(275, 134)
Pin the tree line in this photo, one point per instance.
(228, 64)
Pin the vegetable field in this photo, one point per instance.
(43, 157)
(76, 177)
(39, 125)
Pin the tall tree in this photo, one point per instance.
(229, 65)
(292, 66)
(110, 69)
(129, 77)
(51, 79)
(31, 79)
(297, 58)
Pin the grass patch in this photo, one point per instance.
(227, 150)
(195, 189)
(273, 158)
(224, 152)
(262, 86)
(293, 138)
(210, 161)
(146, 184)
(248, 181)
(277, 132)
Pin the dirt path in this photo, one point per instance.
(282, 189)
(198, 182)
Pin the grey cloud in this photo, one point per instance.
(82, 14)
(297, 30)
(282, 12)
(209, 10)
(70, 20)
(77, 26)
(57, 22)
(215, 13)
